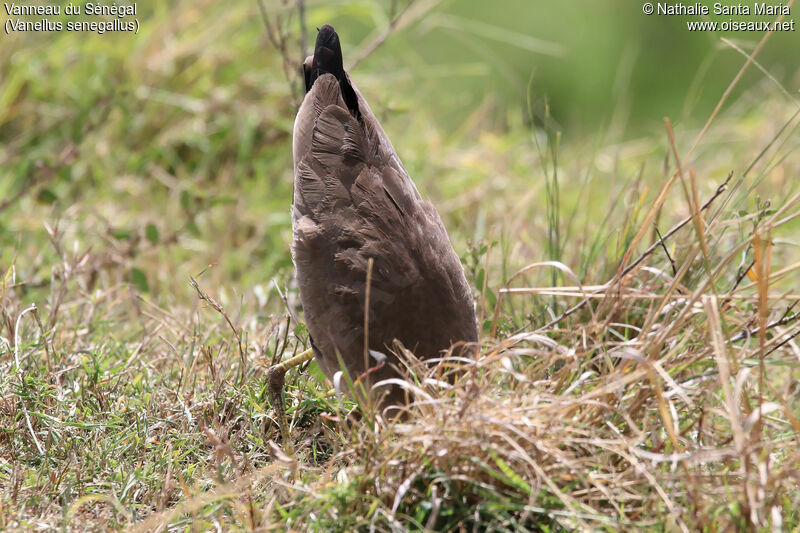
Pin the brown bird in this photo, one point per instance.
(364, 239)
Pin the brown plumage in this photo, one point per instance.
(354, 200)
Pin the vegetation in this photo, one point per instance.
(639, 363)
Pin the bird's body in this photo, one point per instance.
(354, 202)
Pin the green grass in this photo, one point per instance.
(129, 166)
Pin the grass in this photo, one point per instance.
(630, 377)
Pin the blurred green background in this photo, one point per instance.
(587, 58)
(593, 61)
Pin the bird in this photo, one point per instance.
(373, 260)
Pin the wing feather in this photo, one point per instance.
(354, 202)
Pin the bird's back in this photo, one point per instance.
(354, 201)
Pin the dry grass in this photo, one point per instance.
(667, 400)
(639, 364)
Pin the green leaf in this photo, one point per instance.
(186, 200)
(512, 477)
(151, 232)
(193, 229)
(490, 297)
(46, 196)
(139, 280)
(315, 371)
(122, 234)
(479, 277)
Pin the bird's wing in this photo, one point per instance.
(355, 203)
(353, 199)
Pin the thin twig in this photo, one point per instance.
(786, 318)
(280, 40)
(739, 278)
(278, 355)
(394, 23)
(642, 257)
(783, 342)
(43, 335)
(661, 241)
(678, 226)
(301, 16)
(285, 301)
(218, 308)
